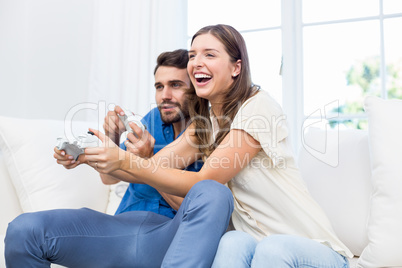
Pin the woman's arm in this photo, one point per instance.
(117, 176)
(235, 151)
(168, 156)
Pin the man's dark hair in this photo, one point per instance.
(177, 58)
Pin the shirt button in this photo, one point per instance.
(248, 216)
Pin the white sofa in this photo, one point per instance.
(335, 165)
(31, 180)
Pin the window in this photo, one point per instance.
(334, 53)
(350, 52)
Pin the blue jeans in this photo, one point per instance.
(86, 238)
(238, 249)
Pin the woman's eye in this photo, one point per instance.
(176, 85)
(191, 56)
(210, 55)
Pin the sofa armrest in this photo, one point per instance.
(11, 207)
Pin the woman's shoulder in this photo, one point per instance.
(262, 101)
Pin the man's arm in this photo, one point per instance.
(143, 146)
(172, 200)
(113, 126)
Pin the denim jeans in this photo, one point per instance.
(238, 250)
(86, 238)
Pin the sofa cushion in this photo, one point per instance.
(117, 192)
(40, 183)
(336, 167)
(385, 222)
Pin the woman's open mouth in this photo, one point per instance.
(202, 78)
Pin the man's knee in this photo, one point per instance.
(213, 190)
(21, 232)
(23, 225)
(210, 200)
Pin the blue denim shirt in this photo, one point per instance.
(142, 196)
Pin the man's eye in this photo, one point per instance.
(176, 85)
(159, 88)
(191, 56)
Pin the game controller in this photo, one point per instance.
(76, 147)
(130, 117)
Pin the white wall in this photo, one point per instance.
(45, 51)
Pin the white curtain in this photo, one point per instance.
(128, 37)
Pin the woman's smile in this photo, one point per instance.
(210, 67)
(202, 79)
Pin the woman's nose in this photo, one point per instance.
(197, 62)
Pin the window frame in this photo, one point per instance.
(292, 71)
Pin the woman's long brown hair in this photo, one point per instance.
(240, 90)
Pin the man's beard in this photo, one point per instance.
(174, 117)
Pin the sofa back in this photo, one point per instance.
(30, 178)
(336, 167)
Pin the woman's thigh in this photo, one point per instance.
(295, 251)
(235, 250)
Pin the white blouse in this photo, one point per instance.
(270, 195)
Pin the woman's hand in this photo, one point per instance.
(108, 157)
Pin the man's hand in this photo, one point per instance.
(67, 160)
(143, 146)
(113, 126)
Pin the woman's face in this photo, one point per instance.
(210, 68)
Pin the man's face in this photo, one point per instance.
(171, 85)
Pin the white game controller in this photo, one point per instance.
(77, 146)
(130, 117)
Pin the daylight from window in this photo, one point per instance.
(344, 52)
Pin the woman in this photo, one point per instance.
(247, 149)
(272, 204)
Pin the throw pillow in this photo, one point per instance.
(343, 189)
(385, 220)
(40, 182)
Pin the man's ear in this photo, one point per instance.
(237, 68)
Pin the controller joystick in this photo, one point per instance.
(130, 117)
(76, 146)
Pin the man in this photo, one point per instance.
(163, 124)
(88, 238)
